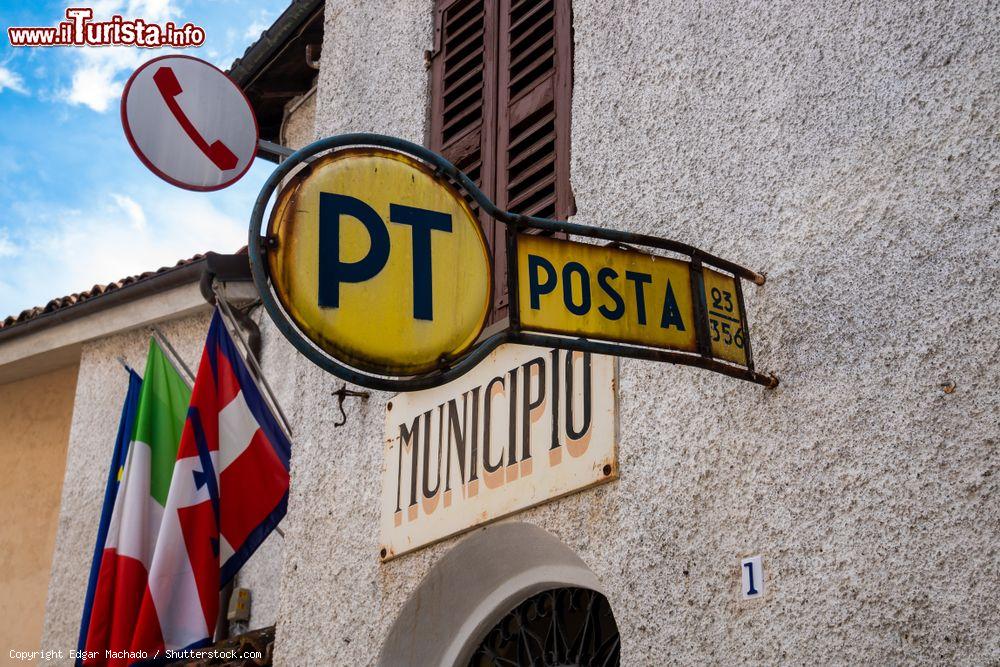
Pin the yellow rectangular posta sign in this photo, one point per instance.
(626, 296)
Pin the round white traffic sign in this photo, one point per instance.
(189, 123)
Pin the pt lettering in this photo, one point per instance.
(333, 272)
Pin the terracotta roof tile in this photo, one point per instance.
(70, 300)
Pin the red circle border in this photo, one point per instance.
(146, 161)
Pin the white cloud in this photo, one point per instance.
(132, 209)
(7, 247)
(99, 74)
(11, 80)
(257, 27)
(67, 250)
(153, 10)
(100, 247)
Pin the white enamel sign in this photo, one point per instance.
(752, 578)
(526, 426)
(189, 123)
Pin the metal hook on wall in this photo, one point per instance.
(343, 393)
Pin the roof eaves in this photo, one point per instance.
(101, 297)
(257, 55)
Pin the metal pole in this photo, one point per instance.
(277, 149)
(162, 340)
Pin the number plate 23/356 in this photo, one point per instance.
(725, 318)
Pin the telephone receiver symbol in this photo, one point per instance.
(169, 87)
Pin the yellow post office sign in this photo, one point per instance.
(626, 296)
(379, 262)
(373, 266)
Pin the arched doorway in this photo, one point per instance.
(502, 585)
(560, 626)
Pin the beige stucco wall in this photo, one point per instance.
(851, 153)
(34, 429)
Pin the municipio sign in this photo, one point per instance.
(189, 123)
(526, 426)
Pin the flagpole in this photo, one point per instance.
(234, 327)
(162, 340)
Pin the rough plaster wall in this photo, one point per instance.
(848, 151)
(300, 121)
(372, 76)
(332, 609)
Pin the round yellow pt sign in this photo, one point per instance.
(378, 262)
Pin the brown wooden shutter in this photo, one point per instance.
(463, 98)
(533, 97)
(501, 76)
(463, 82)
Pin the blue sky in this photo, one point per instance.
(76, 205)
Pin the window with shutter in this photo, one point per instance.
(500, 106)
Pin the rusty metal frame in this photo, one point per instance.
(516, 223)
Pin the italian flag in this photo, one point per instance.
(138, 512)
